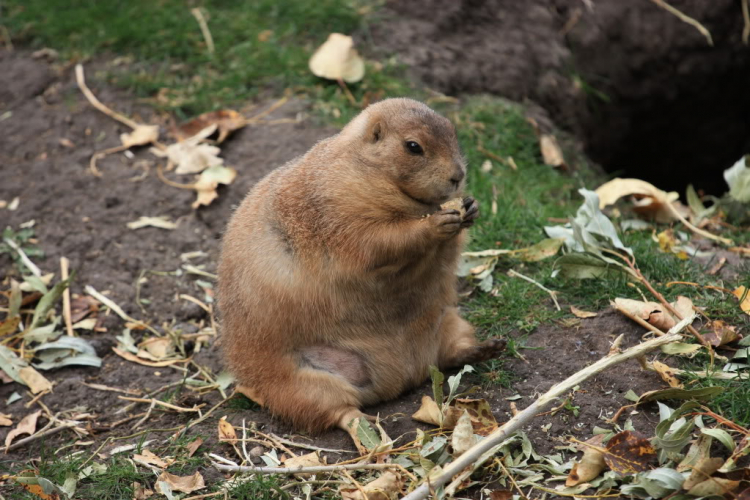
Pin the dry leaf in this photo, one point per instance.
(703, 470)
(463, 435)
(337, 59)
(156, 364)
(5, 419)
(482, 419)
(140, 136)
(227, 433)
(162, 222)
(721, 334)
(741, 292)
(714, 487)
(428, 412)
(386, 487)
(591, 464)
(66, 143)
(193, 446)
(310, 460)
(35, 380)
(156, 348)
(656, 314)
(185, 484)
(141, 493)
(209, 180)
(551, 152)
(667, 374)
(149, 458)
(226, 121)
(26, 426)
(578, 313)
(652, 200)
(190, 156)
(501, 495)
(629, 452)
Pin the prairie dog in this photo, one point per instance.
(337, 284)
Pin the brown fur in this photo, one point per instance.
(335, 290)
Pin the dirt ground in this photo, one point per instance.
(83, 218)
(643, 91)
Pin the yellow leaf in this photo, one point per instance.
(386, 487)
(591, 464)
(35, 380)
(578, 313)
(744, 296)
(140, 136)
(149, 458)
(667, 374)
(463, 435)
(337, 59)
(156, 364)
(428, 412)
(5, 419)
(227, 433)
(653, 201)
(551, 152)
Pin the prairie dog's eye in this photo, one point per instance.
(414, 148)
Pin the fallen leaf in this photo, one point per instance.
(149, 458)
(193, 446)
(227, 434)
(713, 487)
(310, 460)
(482, 420)
(501, 495)
(185, 484)
(85, 324)
(540, 251)
(5, 419)
(156, 364)
(578, 313)
(721, 333)
(13, 205)
(738, 179)
(702, 471)
(656, 314)
(208, 181)
(551, 152)
(66, 143)
(141, 493)
(35, 380)
(226, 121)
(591, 464)
(629, 452)
(428, 412)
(701, 394)
(337, 59)
(667, 374)
(743, 294)
(26, 426)
(386, 487)
(463, 435)
(156, 348)
(162, 222)
(140, 136)
(190, 156)
(652, 200)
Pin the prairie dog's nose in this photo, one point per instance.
(458, 176)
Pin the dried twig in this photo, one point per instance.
(486, 449)
(198, 15)
(645, 324)
(307, 446)
(64, 267)
(273, 107)
(297, 470)
(685, 19)
(97, 103)
(150, 395)
(164, 404)
(116, 309)
(24, 258)
(746, 17)
(551, 293)
(43, 433)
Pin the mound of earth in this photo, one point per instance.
(643, 91)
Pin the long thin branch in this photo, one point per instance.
(97, 103)
(300, 470)
(485, 449)
(746, 17)
(686, 19)
(64, 268)
(24, 258)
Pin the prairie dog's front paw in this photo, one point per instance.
(471, 206)
(446, 223)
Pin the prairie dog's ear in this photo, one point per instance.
(376, 131)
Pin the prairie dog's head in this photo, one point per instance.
(414, 146)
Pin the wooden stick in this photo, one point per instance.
(162, 403)
(746, 17)
(299, 470)
(486, 448)
(64, 268)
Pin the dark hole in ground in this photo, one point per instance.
(643, 91)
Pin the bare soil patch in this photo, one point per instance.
(83, 218)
